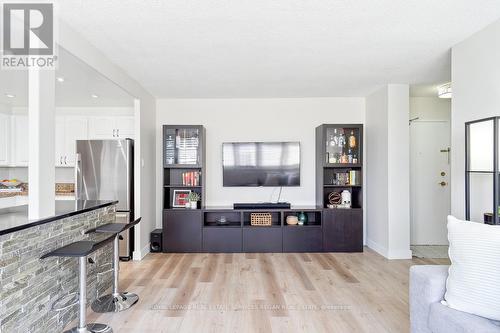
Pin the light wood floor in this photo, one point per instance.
(265, 293)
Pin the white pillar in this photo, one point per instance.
(388, 171)
(41, 118)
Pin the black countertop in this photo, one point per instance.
(16, 218)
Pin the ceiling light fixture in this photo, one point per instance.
(444, 91)
(94, 96)
(60, 79)
(10, 95)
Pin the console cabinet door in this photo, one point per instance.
(343, 230)
(262, 239)
(302, 239)
(182, 231)
(223, 239)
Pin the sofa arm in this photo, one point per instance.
(427, 286)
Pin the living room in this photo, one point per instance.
(250, 166)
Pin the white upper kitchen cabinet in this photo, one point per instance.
(76, 129)
(102, 127)
(4, 139)
(119, 127)
(68, 130)
(20, 145)
(125, 127)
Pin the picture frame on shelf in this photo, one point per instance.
(180, 198)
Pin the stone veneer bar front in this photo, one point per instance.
(29, 285)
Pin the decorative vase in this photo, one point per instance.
(193, 204)
(346, 199)
(302, 218)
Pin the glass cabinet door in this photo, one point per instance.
(480, 173)
(182, 146)
(342, 145)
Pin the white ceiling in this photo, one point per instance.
(80, 82)
(293, 48)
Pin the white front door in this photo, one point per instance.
(430, 176)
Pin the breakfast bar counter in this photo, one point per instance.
(29, 286)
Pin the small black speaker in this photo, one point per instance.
(156, 240)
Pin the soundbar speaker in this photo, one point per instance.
(156, 241)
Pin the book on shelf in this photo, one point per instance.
(191, 178)
(350, 178)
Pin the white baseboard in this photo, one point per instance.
(139, 255)
(400, 254)
(391, 255)
(377, 248)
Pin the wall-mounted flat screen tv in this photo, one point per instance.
(261, 163)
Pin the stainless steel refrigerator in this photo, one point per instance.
(104, 170)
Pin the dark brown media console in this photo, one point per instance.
(197, 230)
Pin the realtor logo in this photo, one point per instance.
(28, 35)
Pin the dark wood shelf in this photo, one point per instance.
(182, 186)
(343, 165)
(183, 166)
(341, 186)
(248, 226)
(302, 226)
(218, 225)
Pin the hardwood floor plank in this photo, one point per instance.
(301, 274)
(179, 305)
(260, 319)
(209, 268)
(317, 257)
(228, 258)
(180, 272)
(272, 288)
(339, 268)
(171, 265)
(305, 257)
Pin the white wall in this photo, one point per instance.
(387, 179)
(430, 108)
(377, 177)
(145, 129)
(476, 95)
(255, 120)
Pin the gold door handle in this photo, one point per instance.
(443, 184)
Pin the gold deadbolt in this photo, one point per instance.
(443, 173)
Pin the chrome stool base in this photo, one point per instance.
(91, 328)
(114, 303)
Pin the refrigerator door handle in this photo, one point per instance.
(78, 159)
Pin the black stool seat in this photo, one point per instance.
(114, 228)
(78, 249)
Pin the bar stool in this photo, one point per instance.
(81, 250)
(116, 301)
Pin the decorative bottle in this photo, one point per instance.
(352, 140)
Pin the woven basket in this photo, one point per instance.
(260, 219)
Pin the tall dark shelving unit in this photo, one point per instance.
(183, 169)
(335, 158)
(482, 170)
